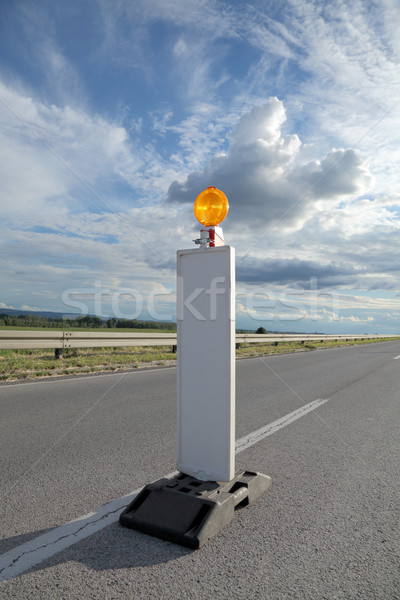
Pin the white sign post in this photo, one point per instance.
(206, 363)
(194, 505)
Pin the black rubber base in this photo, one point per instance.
(189, 512)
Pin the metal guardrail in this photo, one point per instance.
(60, 340)
(15, 340)
(303, 337)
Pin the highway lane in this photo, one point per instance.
(69, 446)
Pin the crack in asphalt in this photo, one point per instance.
(71, 535)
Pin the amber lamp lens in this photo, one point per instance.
(211, 207)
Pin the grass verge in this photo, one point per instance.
(32, 364)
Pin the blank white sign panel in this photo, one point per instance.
(206, 363)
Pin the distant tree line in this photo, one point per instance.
(30, 320)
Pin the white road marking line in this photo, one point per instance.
(27, 555)
(396, 357)
(263, 432)
(24, 557)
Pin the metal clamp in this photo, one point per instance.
(205, 240)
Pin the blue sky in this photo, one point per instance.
(115, 115)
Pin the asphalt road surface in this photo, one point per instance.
(75, 450)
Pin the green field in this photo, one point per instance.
(32, 364)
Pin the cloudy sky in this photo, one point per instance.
(116, 114)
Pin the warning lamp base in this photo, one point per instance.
(189, 512)
(213, 235)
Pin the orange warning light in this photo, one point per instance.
(211, 207)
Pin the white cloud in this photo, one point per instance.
(351, 83)
(361, 217)
(48, 153)
(3, 305)
(265, 178)
(34, 308)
